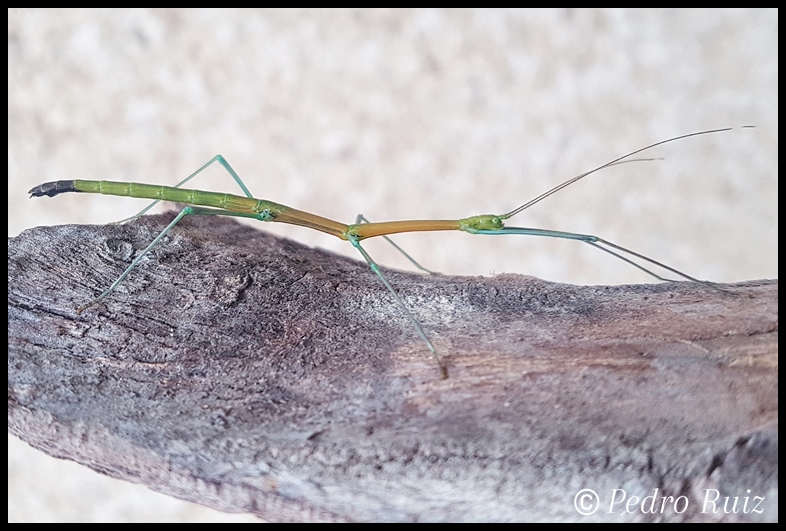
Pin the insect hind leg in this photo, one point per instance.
(189, 210)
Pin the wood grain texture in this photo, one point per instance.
(252, 374)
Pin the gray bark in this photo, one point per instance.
(250, 373)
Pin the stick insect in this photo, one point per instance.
(203, 203)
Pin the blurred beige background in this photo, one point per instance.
(402, 114)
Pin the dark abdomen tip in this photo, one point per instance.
(53, 188)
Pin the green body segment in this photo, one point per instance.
(225, 201)
(234, 204)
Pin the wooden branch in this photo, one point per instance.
(249, 373)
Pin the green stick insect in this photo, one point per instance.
(204, 203)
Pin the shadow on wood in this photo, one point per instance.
(250, 373)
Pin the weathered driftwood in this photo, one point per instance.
(249, 373)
